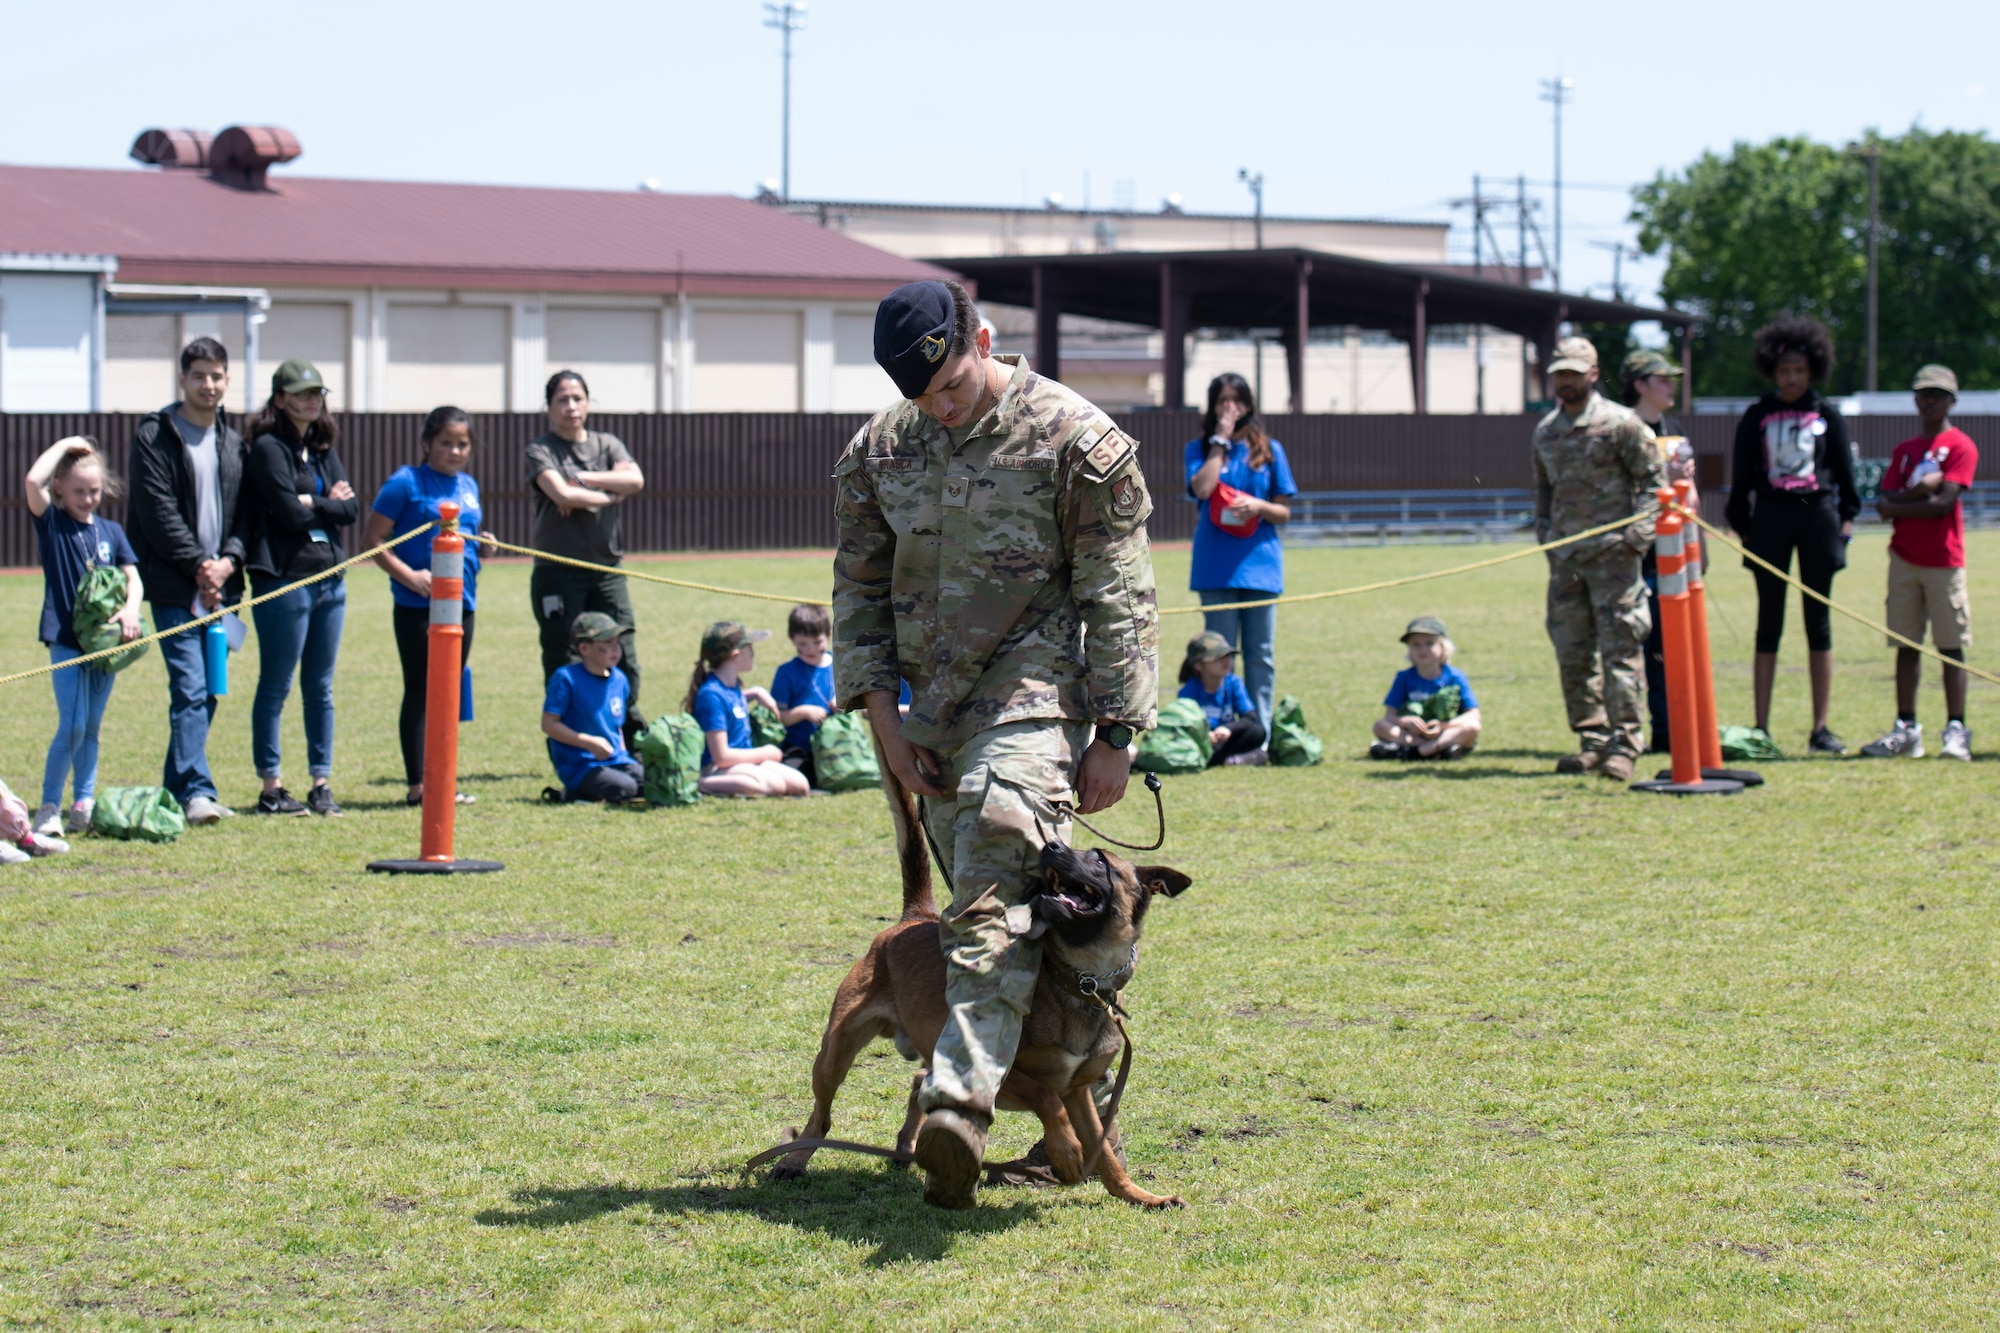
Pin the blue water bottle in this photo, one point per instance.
(465, 694)
(215, 652)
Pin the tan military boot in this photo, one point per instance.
(1617, 767)
(1583, 762)
(949, 1149)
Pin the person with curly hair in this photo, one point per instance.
(1792, 489)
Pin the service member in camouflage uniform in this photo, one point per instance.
(993, 554)
(1596, 462)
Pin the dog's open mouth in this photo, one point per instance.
(1077, 888)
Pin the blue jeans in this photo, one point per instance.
(81, 693)
(1255, 633)
(297, 632)
(190, 708)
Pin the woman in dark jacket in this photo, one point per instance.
(296, 498)
(1792, 489)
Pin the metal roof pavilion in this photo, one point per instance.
(1291, 289)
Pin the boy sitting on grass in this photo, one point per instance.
(734, 765)
(803, 687)
(584, 716)
(1208, 676)
(1430, 712)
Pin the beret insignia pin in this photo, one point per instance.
(932, 347)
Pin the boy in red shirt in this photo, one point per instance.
(1927, 563)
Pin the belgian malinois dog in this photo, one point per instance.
(1088, 914)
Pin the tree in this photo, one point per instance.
(1783, 226)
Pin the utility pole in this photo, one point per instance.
(1558, 92)
(1256, 184)
(1873, 154)
(1618, 251)
(787, 18)
(1521, 222)
(1478, 271)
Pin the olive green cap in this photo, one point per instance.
(1935, 376)
(296, 376)
(1578, 354)
(593, 627)
(1647, 361)
(1209, 647)
(721, 640)
(1425, 625)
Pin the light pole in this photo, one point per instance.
(787, 18)
(1874, 156)
(1256, 184)
(1558, 92)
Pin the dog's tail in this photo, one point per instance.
(913, 851)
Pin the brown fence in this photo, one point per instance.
(750, 481)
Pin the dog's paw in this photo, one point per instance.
(784, 1172)
(1155, 1202)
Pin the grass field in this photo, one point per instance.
(1471, 1046)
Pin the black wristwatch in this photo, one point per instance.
(1118, 736)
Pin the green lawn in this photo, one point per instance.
(1470, 1046)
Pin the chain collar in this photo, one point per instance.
(1096, 986)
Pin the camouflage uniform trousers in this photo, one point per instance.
(1598, 620)
(999, 784)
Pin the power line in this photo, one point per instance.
(788, 18)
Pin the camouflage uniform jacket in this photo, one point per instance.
(1006, 577)
(1601, 467)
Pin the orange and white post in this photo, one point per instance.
(1708, 732)
(1671, 560)
(444, 668)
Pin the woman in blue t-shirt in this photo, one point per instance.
(1238, 554)
(733, 764)
(63, 490)
(408, 500)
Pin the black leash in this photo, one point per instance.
(1159, 808)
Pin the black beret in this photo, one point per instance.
(912, 334)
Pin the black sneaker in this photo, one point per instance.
(277, 801)
(1385, 750)
(1823, 741)
(319, 801)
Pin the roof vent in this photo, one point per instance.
(186, 149)
(242, 154)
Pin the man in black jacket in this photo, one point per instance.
(187, 467)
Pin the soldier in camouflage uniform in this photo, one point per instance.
(993, 554)
(1596, 462)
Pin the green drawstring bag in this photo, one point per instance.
(765, 729)
(1178, 743)
(669, 753)
(1443, 706)
(99, 597)
(149, 814)
(844, 753)
(1292, 746)
(1749, 744)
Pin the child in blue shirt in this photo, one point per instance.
(1430, 712)
(719, 701)
(584, 716)
(63, 490)
(1208, 676)
(803, 687)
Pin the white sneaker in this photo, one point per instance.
(41, 844)
(1905, 740)
(10, 855)
(1957, 742)
(207, 810)
(79, 817)
(48, 820)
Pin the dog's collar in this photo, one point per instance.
(1106, 985)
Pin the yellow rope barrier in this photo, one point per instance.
(216, 614)
(631, 573)
(1855, 616)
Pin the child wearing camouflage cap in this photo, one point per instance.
(734, 764)
(584, 713)
(1430, 711)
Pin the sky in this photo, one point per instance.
(1348, 110)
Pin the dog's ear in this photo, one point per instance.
(1162, 879)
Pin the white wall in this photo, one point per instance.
(746, 360)
(859, 385)
(46, 323)
(445, 354)
(315, 331)
(616, 351)
(140, 356)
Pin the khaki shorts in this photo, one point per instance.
(1919, 593)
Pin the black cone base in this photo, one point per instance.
(1705, 787)
(1745, 776)
(435, 867)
